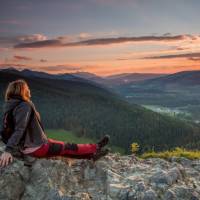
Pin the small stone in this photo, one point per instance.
(131, 194)
(169, 195)
(140, 186)
(174, 174)
(149, 195)
(115, 189)
(160, 177)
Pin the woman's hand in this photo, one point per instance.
(5, 158)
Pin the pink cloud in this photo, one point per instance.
(22, 58)
(60, 68)
(7, 65)
(13, 22)
(54, 69)
(32, 38)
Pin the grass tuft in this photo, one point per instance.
(69, 136)
(177, 152)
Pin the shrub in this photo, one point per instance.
(177, 152)
(134, 148)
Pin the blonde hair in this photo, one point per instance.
(17, 88)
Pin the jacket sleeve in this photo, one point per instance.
(21, 117)
(36, 112)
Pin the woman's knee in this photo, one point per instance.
(54, 149)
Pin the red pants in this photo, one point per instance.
(60, 148)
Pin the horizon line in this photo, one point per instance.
(35, 70)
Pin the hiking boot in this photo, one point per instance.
(100, 153)
(103, 141)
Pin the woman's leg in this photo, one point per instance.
(66, 149)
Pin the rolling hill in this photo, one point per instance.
(179, 89)
(184, 78)
(40, 74)
(130, 78)
(92, 111)
(117, 79)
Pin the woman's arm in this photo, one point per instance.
(21, 117)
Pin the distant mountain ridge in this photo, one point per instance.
(59, 76)
(184, 78)
(126, 78)
(31, 73)
(109, 81)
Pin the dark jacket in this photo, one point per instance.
(34, 134)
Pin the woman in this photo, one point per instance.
(28, 137)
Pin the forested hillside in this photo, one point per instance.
(93, 111)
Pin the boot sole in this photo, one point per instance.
(101, 154)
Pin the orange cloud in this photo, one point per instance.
(58, 68)
(17, 66)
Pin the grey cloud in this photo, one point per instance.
(167, 34)
(15, 39)
(99, 41)
(40, 44)
(186, 55)
(43, 60)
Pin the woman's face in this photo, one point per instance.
(27, 92)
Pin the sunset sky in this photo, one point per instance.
(100, 36)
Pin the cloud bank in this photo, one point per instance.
(192, 56)
(100, 41)
(22, 58)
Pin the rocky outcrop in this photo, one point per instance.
(112, 177)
